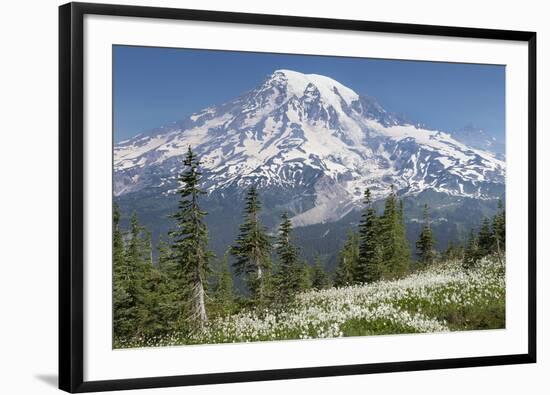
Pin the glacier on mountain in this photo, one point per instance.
(310, 138)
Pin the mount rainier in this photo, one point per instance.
(311, 146)
(307, 133)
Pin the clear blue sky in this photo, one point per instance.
(155, 86)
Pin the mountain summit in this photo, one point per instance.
(311, 145)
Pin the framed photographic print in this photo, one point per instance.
(253, 197)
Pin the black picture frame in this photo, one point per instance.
(71, 173)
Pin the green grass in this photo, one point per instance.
(442, 298)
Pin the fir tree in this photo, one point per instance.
(148, 246)
(190, 240)
(123, 304)
(119, 263)
(252, 248)
(368, 265)
(159, 312)
(223, 290)
(319, 277)
(425, 244)
(395, 249)
(499, 231)
(137, 267)
(485, 238)
(471, 252)
(169, 280)
(290, 274)
(304, 276)
(136, 249)
(131, 276)
(164, 259)
(347, 261)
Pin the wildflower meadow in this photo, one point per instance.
(445, 297)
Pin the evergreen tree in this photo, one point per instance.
(148, 245)
(160, 310)
(319, 277)
(425, 244)
(499, 230)
(252, 248)
(368, 265)
(290, 273)
(395, 249)
(485, 238)
(223, 290)
(471, 252)
(138, 268)
(164, 260)
(347, 261)
(167, 276)
(136, 249)
(190, 241)
(304, 276)
(131, 274)
(119, 263)
(123, 304)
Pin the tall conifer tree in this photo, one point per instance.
(499, 230)
(304, 276)
(190, 241)
(136, 249)
(290, 275)
(171, 303)
(368, 265)
(347, 261)
(223, 291)
(395, 248)
(471, 251)
(119, 262)
(131, 281)
(137, 266)
(123, 303)
(164, 258)
(485, 238)
(252, 248)
(426, 243)
(319, 277)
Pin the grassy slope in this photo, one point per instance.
(442, 298)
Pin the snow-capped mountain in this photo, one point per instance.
(311, 145)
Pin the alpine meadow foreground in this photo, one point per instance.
(444, 297)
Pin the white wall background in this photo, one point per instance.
(28, 197)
